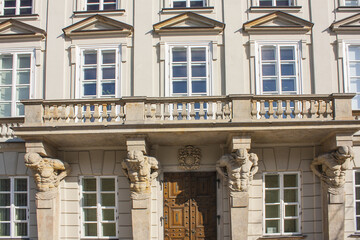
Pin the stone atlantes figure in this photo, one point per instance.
(140, 170)
(48, 172)
(238, 168)
(333, 167)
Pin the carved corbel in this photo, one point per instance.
(238, 169)
(140, 171)
(331, 168)
(48, 173)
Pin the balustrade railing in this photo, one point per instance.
(6, 125)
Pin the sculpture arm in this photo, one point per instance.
(220, 168)
(316, 162)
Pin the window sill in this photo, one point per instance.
(22, 17)
(91, 13)
(181, 10)
(355, 235)
(296, 237)
(348, 9)
(268, 9)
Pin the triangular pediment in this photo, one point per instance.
(348, 24)
(16, 29)
(278, 21)
(189, 22)
(96, 25)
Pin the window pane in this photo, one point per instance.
(25, 11)
(4, 214)
(180, 71)
(109, 229)
(107, 184)
(108, 73)
(5, 94)
(272, 211)
(22, 93)
(6, 61)
(20, 229)
(9, 11)
(291, 211)
(356, 102)
(5, 109)
(108, 199)
(4, 185)
(290, 195)
(357, 178)
(90, 74)
(20, 199)
(288, 85)
(20, 214)
(268, 53)
(4, 229)
(268, 69)
(196, 3)
(20, 111)
(10, 3)
(90, 214)
(108, 57)
(351, 2)
(290, 225)
(355, 85)
(282, 2)
(26, 3)
(90, 229)
(269, 85)
(198, 54)
(108, 214)
(89, 199)
(180, 87)
(354, 53)
(198, 70)
(23, 77)
(23, 61)
(93, 1)
(90, 57)
(272, 196)
(93, 7)
(4, 199)
(272, 181)
(179, 55)
(287, 53)
(179, 4)
(272, 226)
(288, 69)
(357, 193)
(6, 77)
(109, 6)
(21, 184)
(354, 69)
(108, 88)
(290, 181)
(199, 86)
(89, 184)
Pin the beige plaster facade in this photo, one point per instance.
(143, 117)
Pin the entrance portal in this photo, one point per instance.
(190, 206)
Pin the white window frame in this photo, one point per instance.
(344, 3)
(80, 64)
(282, 204)
(355, 201)
(346, 63)
(99, 207)
(12, 207)
(16, 52)
(258, 68)
(17, 8)
(292, 3)
(168, 69)
(101, 5)
(187, 3)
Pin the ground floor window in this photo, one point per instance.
(14, 207)
(357, 200)
(99, 207)
(281, 203)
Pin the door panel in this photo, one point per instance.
(190, 206)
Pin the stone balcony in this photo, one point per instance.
(188, 120)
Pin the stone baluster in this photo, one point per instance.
(122, 113)
(328, 110)
(312, 109)
(210, 112)
(63, 113)
(296, 109)
(166, 111)
(271, 109)
(305, 110)
(104, 114)
(219, 112)
(192, 111)
(96, 113)
(227, 112)
(254, 109)
(55, 114)
(113, 112)
(183, 111)
(279, 111)
(158, 111)
(79, 114)
(288, 110)
(321, 111)
(46, 113)
(87, 113)
(148, 114)
(71, 113)
(175, 113)
(262, 109)
(202, 111)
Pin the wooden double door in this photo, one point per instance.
(190, 206)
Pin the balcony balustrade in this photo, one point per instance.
(6, 125)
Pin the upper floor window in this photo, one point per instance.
(14, 207)
(275, 3)
(189, 70)
(351, 2)
(17, 7)
(278, 69)
(188, 3)
(16, 73)
(281, 203)
(99, 72)
(100, 5)
(99, 207)
(353, 73)
(357, 200)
